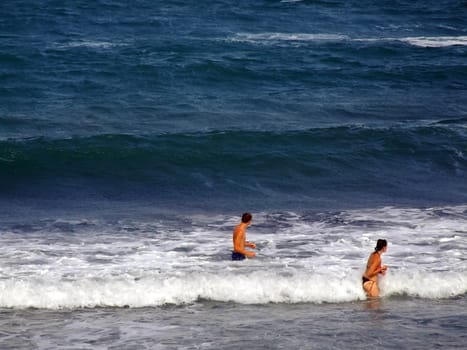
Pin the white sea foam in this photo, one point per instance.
(433, 285)
(92, 44)
(441, 41)
(277, 37)
(248, 288)
(314, 257)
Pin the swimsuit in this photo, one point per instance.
(364, 280)
(237, 256)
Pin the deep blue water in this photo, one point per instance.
(267, 103)
(263, 170)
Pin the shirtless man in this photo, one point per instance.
(239, 239)
(373, 268)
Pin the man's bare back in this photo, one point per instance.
(239, 239)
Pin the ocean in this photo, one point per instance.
(134, 136)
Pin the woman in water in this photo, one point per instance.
(373, 268)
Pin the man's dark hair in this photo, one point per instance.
(246, 217)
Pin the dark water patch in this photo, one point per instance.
(265, 164)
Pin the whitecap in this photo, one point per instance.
(277, 37)
(441, 41)
(286, 37)
(88, 44)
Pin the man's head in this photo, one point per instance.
(246, 218)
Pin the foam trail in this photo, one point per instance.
(277, 36)
(422, 41)
(442, 41)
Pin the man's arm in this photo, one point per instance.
(250, 244)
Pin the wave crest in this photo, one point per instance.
(251, 288)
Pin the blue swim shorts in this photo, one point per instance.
(237, 256)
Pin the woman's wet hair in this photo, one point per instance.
(380, 244)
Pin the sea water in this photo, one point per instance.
(132, 138)
(169, 282)
(302, 258)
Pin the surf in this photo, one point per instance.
(250, 288)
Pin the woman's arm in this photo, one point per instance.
(374, 266)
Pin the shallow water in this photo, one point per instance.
(395, 323)
(309, 257)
